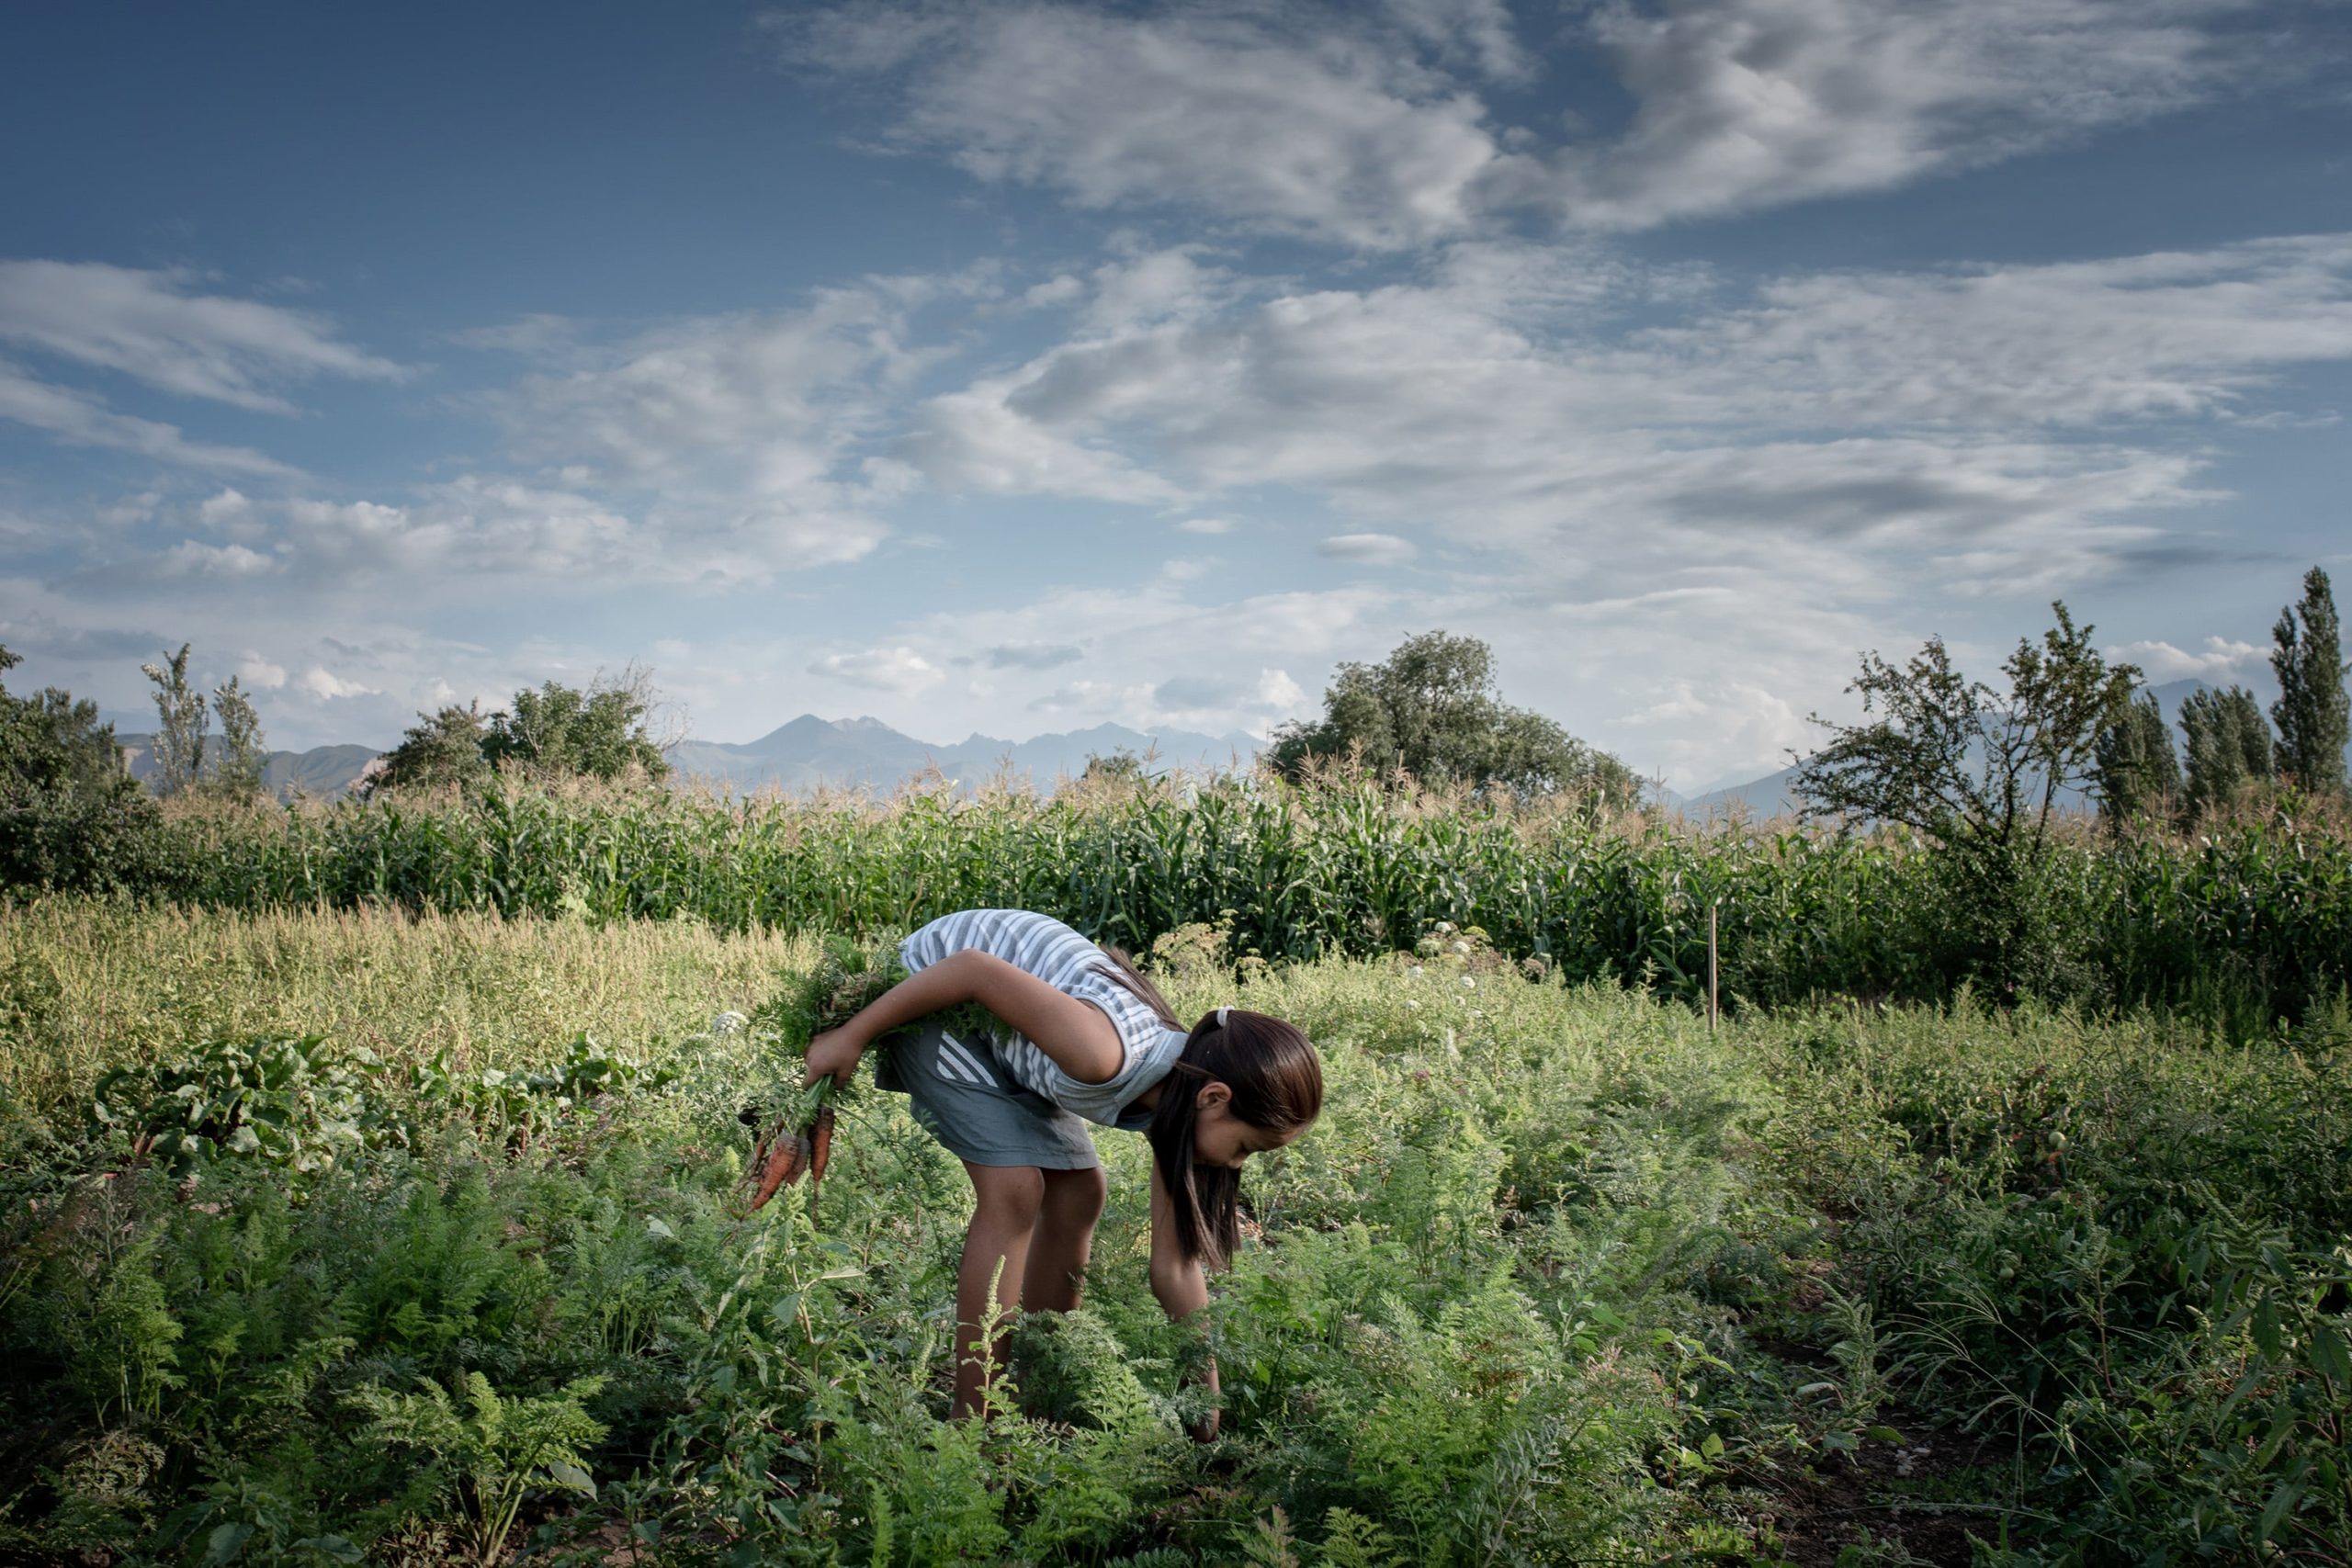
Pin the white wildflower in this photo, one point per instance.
(1446, 927)
(1469, 984)
(727, 1023)
(1462, 946)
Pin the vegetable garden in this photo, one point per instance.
(368, 1235)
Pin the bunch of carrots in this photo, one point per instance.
(798, 1141)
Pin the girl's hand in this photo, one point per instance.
(833, 1055)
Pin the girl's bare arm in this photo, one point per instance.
(1078, 1036)
(1177, 1281)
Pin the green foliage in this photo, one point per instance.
(2229, 748)
(1558, 1277)
(555, 733)
(2250, 922)
(2135, 772)
(181, 724)
(489, 1453)
(1980, 771)
(298, 1104)
(237, 766)
(2313, 710)
(561, 732)
(441, 750)
(71, 817)
(1429, 710)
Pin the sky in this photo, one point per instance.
(1019, 367)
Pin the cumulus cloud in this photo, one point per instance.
(256, 671)
(1372, 549)
(2221, 660)
(156, 326)
(324, 684)
(899, 670)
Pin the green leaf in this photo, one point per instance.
(654, 1226)
(225, 1542)
(2329, 1354)
(570, 1475)
(1883, 1435)
(2275, 1512)
(2264, 1328)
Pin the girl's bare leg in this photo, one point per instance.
(1009, 1199)
(1064, 1239)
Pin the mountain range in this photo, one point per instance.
(812, 753)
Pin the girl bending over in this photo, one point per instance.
(1081, 1037)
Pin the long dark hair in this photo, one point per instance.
(1277, 1084)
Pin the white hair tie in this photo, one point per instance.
(1220, 1016)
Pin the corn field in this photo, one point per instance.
(2246, 925)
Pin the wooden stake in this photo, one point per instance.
(1714, 1008)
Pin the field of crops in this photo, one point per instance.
(446, 1269)
(2237, 928)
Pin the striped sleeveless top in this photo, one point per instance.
(1045, 947)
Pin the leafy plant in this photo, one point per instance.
(489, 1454)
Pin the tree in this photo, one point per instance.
(2314, 712)
(557, 731)
(1980, 772)
(554, 732)
(239, 764)
(1119, 767)
(180, 724)
(1430, 710)
(2228, 746)
(2135, 772)
(440, 749)
(71, 816)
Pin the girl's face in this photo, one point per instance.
(1219, 1137)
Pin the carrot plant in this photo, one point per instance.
(1559, 1276)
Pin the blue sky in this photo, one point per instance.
(1021, 367)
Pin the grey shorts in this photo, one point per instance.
(966, 1101)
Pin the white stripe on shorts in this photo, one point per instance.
(953, 1050)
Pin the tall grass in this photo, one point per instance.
(2248, 923)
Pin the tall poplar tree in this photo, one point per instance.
(238, 766)
(2135, 772)
(2228, 746)
(180, 724)
(2314, 715)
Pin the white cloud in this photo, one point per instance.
(899, 670)
(319, 681)
(1745, 104)
(153, 326)
(1318, 128)
(80, 420)
(192, 558)
(1473, 404)
(1370, 127)
(1372, 549)
(229, 506)
(1211, 525)
(2221, 660)
(256, 671)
